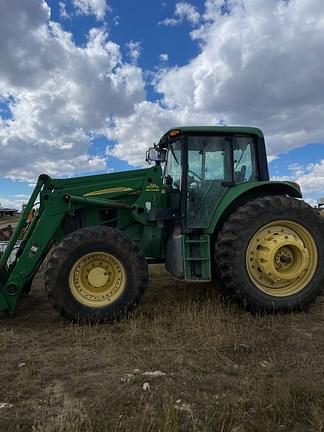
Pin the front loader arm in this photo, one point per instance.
(128, 193)
(131, 195)
(38, 239)
(22, 222)
(33, 249)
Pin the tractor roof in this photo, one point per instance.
(212, 129)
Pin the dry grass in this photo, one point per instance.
(8, 219)
(225, 370)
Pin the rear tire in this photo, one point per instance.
(96, 274)
(270, 254)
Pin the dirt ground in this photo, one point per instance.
(185, 362)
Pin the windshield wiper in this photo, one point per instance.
(239, 161)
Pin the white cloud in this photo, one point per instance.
(169, 22)
(261, 64)
(134, 50)
(98, 8)
(116, 20)
(310, 177)
(24, 60)
(15, 202)
(164, 57)
(183, 12)
(62, 94)
(135, 133)
(63, 12)
(272, 158)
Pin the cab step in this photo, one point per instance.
(196, 249)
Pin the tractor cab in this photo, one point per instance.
(200, 164)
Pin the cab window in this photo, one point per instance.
(173, 169)
(244, 159)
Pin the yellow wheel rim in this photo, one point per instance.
(97, 279)
(281, 258)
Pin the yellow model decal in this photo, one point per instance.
(152, 188)
(111, 190)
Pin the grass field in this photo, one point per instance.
(213, 367)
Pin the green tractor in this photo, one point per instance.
(206, 209)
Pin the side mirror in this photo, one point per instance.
(154, 154)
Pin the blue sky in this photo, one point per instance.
(138, 21)
(87, 85)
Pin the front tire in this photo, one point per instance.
(96, 274)
(270, 254)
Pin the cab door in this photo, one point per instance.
(214, 163)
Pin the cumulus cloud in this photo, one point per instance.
(134, 50)
(61, 95)
(22, 50)
(260, 63)
(98, 8)
(145, 126)
(183, 12)
(63, 12)
(310, 177)
(164, 57)
(15, 202)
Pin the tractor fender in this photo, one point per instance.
(239, 194)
